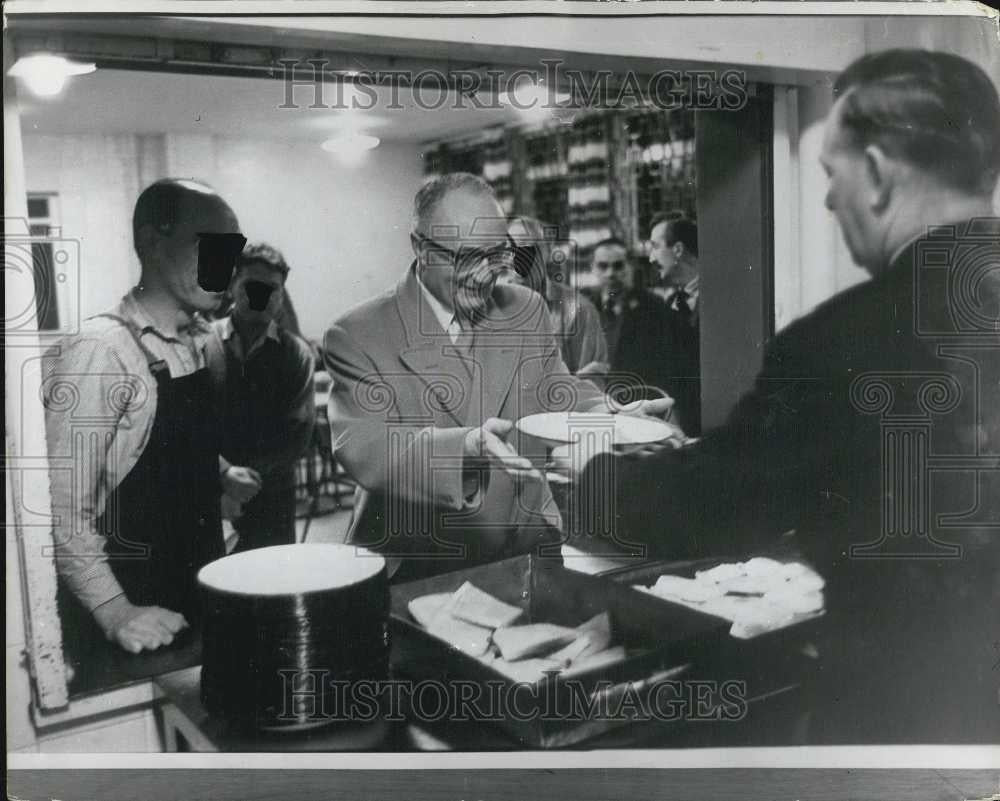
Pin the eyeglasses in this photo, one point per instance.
(610, 265)
(525, 257)
(500, 256)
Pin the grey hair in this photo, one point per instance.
(430, 194)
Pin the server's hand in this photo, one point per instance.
(137, 628)
(241, 483)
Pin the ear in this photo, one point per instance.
(145, 240)
(880, 175)
(678, 249)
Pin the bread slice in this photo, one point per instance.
(425, 608)
(525, 671)
(609, 656)
(471, 604)
(535, 639)
(473, 640)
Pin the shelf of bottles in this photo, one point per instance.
(445, 158)
(497, 169)
(660, 160)
(588, 196)
(606, 175)
(545, 172)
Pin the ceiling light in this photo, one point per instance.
(46, 74)
(350, 147)
(350, 142)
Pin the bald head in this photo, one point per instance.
(169, 220)
(458, 206)
(171, 202)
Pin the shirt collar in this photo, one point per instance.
(227, 329)
(441, 314)
(228, 333)
(132, 310)
(691, 288)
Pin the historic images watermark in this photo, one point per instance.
(314, 696)
(562, 88)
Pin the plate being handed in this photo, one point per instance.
(564, 428)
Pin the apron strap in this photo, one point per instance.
(151, 358)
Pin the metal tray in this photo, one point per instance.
(659, 639)
(769, 663)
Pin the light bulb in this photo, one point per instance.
(45, 74)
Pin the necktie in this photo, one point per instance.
(681, 305)
(610, 312)
(612, 326)
(463, 335)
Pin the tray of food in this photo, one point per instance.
(543, 638)
(757, 596)
(770, 605)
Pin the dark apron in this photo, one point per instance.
(162, 523)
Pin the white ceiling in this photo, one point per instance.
(120, 101)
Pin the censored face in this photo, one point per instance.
(258, 292)
(202, 245)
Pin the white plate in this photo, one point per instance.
(291, 569)
(562, 428)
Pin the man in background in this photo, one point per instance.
(542, 264)
(264, 382)
(634, 321)
(138, 515)
(673, 248)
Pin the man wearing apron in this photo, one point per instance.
(128, 401)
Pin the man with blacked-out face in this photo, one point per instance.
(129, 399)
(263, 378)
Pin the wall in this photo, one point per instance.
(343, 230)
(811, 261)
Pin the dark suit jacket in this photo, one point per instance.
(683, 368)
(653, 347)
(873, 430)
(401, 405)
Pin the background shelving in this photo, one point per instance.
(606, 174)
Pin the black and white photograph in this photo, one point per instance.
(530, 399)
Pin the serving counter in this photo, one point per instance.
(764, 675)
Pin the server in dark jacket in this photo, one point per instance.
(264, 384)
(873, 430)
